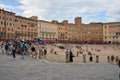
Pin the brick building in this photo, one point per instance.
(92, 33)
(13, 27)
(111, 32)
(16, 27)
(47, 31)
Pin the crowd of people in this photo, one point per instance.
(40, 51)
(23, 48)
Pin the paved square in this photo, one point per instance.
(32, 69)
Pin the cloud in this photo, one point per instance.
(113, 12)
(2, 6)
(89, 10)
(36, 7)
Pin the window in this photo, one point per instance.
(1, 23)
(42, 35)
(46, 36)
(42, 29)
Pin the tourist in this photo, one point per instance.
(45, 52)
(10, 49)
(108, 58)
(13, 51)
(91, 58)
(77, 53)
(23, 51)
(33, 52)
(37, 51)
(3, 48)
(1, 45)
(112, 59)
(6, 49)
(22, 48)
(71, 56)
(89, 53)
(52, 51)
(40, 52)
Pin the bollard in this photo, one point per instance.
(108, 58)
(117, 60)
(84, 58)
(67, 58)
(97, 59)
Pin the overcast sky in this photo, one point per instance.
(89, 10)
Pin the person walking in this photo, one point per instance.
(52, 51)
(40, 52)
(7, 49)
(22, 46)
(45, 52)
(91, 58)
(112, 59)
(119, 62)
(71, 56)
(13, 51)
(23, 51)
(3, 48)
(37, 51)
(77, 53)
(33, 52)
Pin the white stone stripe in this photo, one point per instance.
(46, 61)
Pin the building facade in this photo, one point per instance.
(62, 31)
(47, 31)
(14, 27)
(92, 33)
(111, 32)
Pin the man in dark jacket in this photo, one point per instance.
(71, 56)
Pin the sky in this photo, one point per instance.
(89, 10)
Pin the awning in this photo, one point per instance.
(49, 41)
